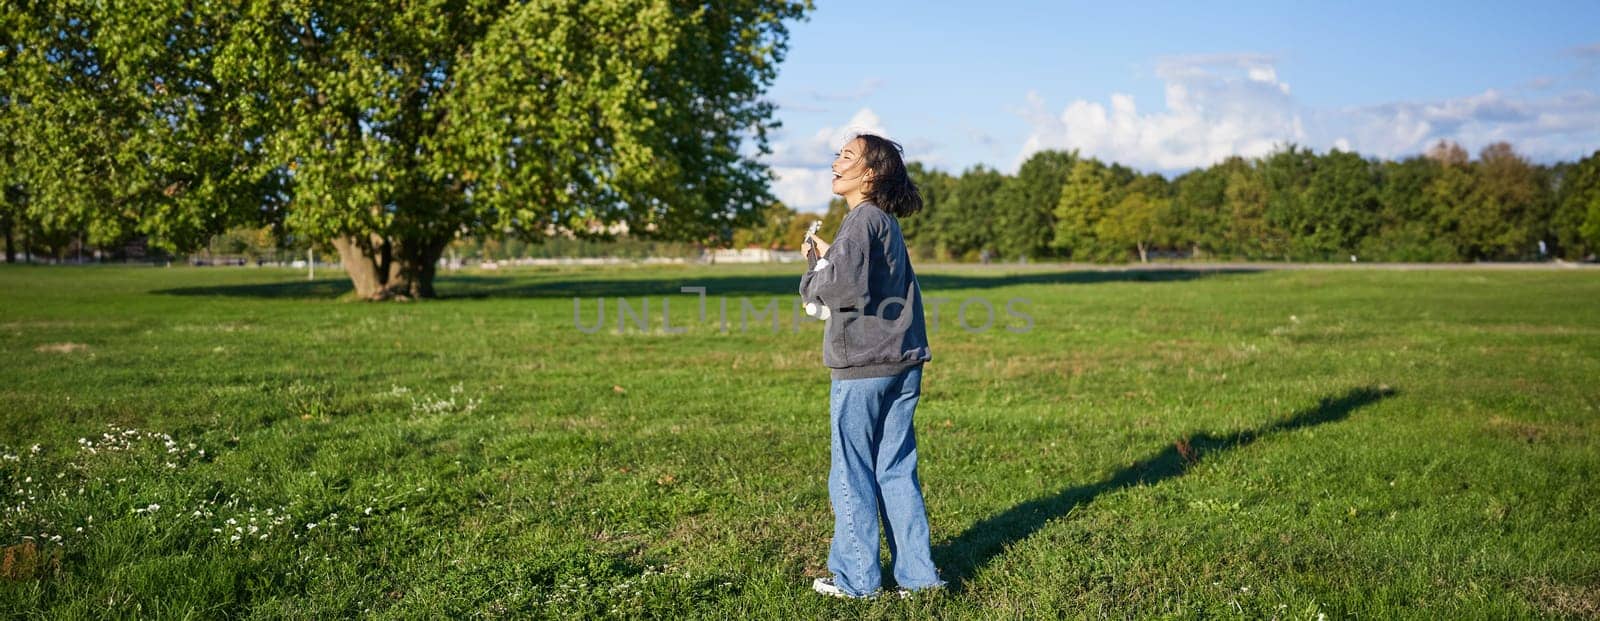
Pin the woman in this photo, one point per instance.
(875, 342)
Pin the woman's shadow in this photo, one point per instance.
(961, 557)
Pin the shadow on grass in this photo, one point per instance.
(575, 285)
(960, 558)
(289, 289)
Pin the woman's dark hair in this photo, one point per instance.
(891, 188)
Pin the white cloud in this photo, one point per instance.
(1216, 106)
(1236, 104)
(804, 189)
(802, 166)
(1546, 128)
(818, 148)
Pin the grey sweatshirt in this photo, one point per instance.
(875, 326)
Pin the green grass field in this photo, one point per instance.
(242, 443)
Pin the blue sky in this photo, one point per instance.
(1170, 86)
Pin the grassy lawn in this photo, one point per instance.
(242, 443)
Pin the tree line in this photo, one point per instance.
(1289, 205)
(1292, 204)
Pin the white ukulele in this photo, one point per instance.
(812, 308)
(811, 230)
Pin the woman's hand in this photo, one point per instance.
(817, 243)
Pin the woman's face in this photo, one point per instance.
(850, 173)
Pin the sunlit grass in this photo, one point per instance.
(241, 442)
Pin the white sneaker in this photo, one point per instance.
(826, 587)
(904, 593)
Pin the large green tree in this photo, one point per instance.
(1577, 218)
(833, 218)
(1247, 232)
(771, 230)
(1406, 228)
(1495, 208)
(922, 232)
(1025, 207)
(388, 128)
(1135, 221)
(1340, 206)
(780, 228)
(1287, 171)
(1449, 195)
(11, 184)
(1085, 197)
(966, 213)
(1200, 216)
(126, 119)
(1508, 209)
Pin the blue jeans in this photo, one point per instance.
(875, 472)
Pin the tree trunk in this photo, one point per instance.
(1143, 256)
(11, 249)
(360, 266)
(383, 269)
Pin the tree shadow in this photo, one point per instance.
(476, 286)
(960, 558)
(288, 289)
